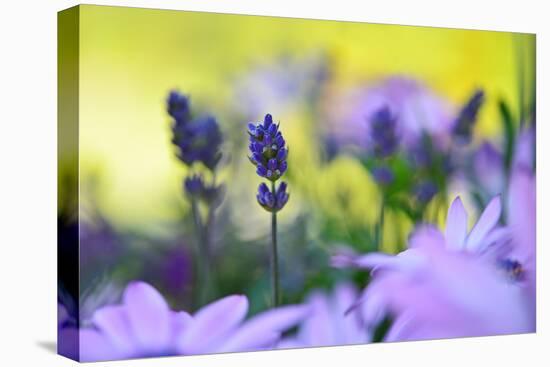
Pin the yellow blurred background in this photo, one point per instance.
(130, 59)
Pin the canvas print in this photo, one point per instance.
(232, 183)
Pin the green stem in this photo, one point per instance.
(274, 255)
(207, 227)
(380, 226)
(204, 255)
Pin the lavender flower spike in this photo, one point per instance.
(144, 326)
(269, 154)
(267, 149)
(198, 140)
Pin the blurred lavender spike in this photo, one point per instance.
(198, 139)
(179, 107)
(467, 117)
(383, 175)
(383, 133)
(425, 191)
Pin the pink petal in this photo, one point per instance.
(427, 237)
(114, 325)
(212, 323)
(261, 330)
(376, 260)
(180, 322)
(524, 150)
(317, 330)
(457, 225)
(347, 326)
(149, 316)
(95, 347)
(522, 214)
(486, 222)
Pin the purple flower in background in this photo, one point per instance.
(383, 175)
(425, 191)
(267, 149)
(174, 269)
(446, 285)
(488, 169)
(329, 320)
(382, 133)
(524, 149)
(198, 139)
(144, 326)
(522, 223)
(488, 163)
(417, 110)
(286, 84)
(467, 117)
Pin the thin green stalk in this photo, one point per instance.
(274, 255)
(380, 226)
(203, 252)
(210, 276)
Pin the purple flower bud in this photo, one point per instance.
(257, 158)
(281, 154)
(261, 170)
(263, 188)
(272, 202)
(251, 128)
(268, 120)
(257, 147)
(265, 197)
(280, 141)
(272, 129)
(267, 140)
(281, 188)
(272, 164)
(282, 167)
